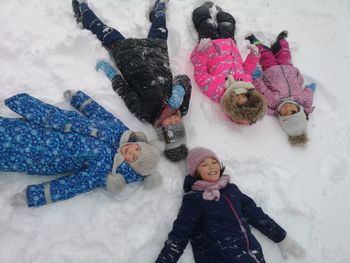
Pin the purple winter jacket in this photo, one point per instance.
(280, 82)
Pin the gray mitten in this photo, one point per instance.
(291, 247)
(68, 94)
(152, 181)
(19, 199)
(115, 182)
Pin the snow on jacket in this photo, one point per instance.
(220, 58)
(219, 230)
(51, 141)
(280, 82)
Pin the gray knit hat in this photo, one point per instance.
(148, 158)
(295, 124)
(175, 138)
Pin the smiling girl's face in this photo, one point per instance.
(131, 152)
(209, 170)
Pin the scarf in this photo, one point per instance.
(211, 189)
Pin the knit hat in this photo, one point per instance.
(295, 124)
(175, 138)
(147, 159)
(198, 155)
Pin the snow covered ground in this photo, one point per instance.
(44, 52)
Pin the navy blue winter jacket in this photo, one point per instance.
(219, 231)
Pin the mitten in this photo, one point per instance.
(291, 247)
(19, 199)
(106, 68)
(177, 96)
(115, 182)
(256, 73)
(253, 49)
(152, 181)
(311, 86)
(68, 94)
(204, 44)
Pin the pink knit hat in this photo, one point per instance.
(198, 155)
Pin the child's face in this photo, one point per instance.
(131, 152)
(288, 109)
(241, 99)
(171, 120)
(209, 170)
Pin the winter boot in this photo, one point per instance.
(203, 21)
(159, 7)
(79, 7)
(252, 39)
(276, 46)
(226, 25)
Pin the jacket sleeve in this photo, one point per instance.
(272, 98)
(212, 86)
(186, 221)
(185, 82)
(66, 187)
(256, 217)
(308, 96)
(90, 108)
(250, 63)
(131, 99)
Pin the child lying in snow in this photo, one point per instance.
(215, 216)
(145, 80)
(96, 148)
(282, 85)
(219, 69)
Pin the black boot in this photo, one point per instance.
(203, 22)
(76, 10)
(276, 46)
(226, 25)
(159, 6)
(252, 39)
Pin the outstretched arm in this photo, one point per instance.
(256, 217)
(183, 227)
(88, 106)
(131, 99)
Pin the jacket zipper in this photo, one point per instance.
(241, 226)
(289, 89)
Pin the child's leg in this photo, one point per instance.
(204, 24)
(158, 19)
(105, 34)
(267, 59)
(282, 52)
(226, 25)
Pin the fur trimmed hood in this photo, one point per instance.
(249, 113)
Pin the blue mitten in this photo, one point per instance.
(107, 68)
(311, 86)
(177, 96)
(256, 73)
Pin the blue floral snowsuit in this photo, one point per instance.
(51, 141)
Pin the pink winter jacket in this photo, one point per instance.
(281, 82)
(219, 58)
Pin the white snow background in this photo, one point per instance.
(44, 52)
